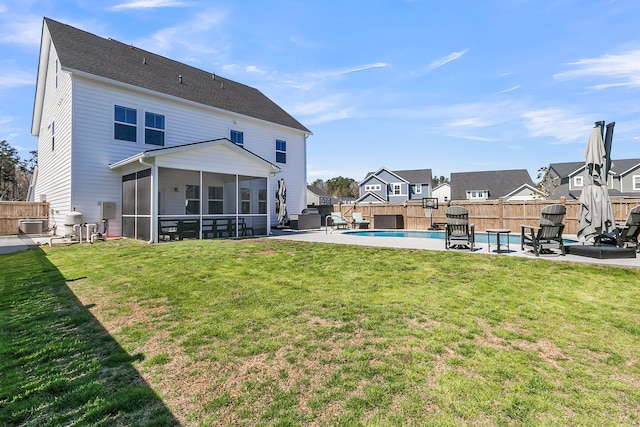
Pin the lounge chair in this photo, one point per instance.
(549, 232)
(336, 220)
(359, 221)
(626, 234)
(459, 234)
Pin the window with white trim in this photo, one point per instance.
(418, 189)
(281, 151)
(245, 200)
(477, 195)
(57, 70)
(236, 136)
(125, 126)
(636, 182)
(153, 128)
(53, 135)
(192, 196)
(578, 181)
(397, 188)
(372, 187)
(216, 200)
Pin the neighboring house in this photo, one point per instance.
(569, 178)
(136, 138)
(317, 197)
(442, 192)
(385, 186)
(513, 184)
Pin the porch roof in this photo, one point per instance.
(163, 151)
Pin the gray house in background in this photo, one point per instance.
(386, 186)
(569, 178)
(317, 196)
(515, 184)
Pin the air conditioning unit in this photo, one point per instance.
(31, 226)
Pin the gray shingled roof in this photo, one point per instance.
(617, 166)
(499, 183)
(416, 176)
(110, 59)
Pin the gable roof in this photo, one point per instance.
(83, 52)
(155, 152)
(618, 167)
(413, 176)
(317, 191)
(498, 183)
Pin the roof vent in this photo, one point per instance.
(213, 76)
(144, 61)
(221, 85)
(180, 78)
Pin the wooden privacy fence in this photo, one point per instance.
(12, 212)
(484, 214)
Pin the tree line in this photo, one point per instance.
(15, 173)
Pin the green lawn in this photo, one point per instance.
(271, 332)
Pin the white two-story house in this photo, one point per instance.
(148, 147)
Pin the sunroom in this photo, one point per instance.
(205, 190)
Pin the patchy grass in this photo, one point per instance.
(268, 332)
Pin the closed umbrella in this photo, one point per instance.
(596, 214)
(281, 202)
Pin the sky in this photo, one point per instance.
(451, 86)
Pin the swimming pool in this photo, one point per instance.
(481, 236)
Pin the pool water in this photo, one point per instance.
(481, 237)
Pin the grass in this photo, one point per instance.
(269, 332)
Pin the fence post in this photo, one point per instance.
(501, 212)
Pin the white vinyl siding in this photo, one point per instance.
(93, 129)
(55, 163)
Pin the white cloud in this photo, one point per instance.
(342, 72)
(148, 4)
(558, 124)
(192, 37)
(22, 30)
(13, 77)
(511, 89)
(453, 56)
(255, 70)
(620, 70)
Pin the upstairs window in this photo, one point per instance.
(396, 189)
(237, 137)
(125, 127)
(418, 189)
(154, 129)
(636, 182)
(372, 187)
(281, 151)
(477, 195)
(578, 181)
(53, 136)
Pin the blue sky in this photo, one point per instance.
(453, 86)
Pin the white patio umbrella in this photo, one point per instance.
(281, 202)
(596, 214)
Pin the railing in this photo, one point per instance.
(484, 214)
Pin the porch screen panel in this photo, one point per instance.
(143, 199)
(143, 228)
(129, 227)
(129, 194)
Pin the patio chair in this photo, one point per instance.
(359, 221)
(548, 232)
(626, 234)
(337, 221)
(459, 233)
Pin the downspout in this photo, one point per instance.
(154, 207)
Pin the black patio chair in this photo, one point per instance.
(459, 233)
(548, 233)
